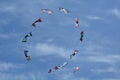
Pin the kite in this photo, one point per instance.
(39, 20)
(81, 37)
(46, 10)
(25, 38)
(64, 64)
(64, 10)
(50, 70)
(76, 69)
(54, 69)
(57, 67)
(74, 53)
(26, 55)
(76, 22)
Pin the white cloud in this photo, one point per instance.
(110, 59)
(50, 40)
(5, 66)
(93, 17)
(115, 12)
(3, 36)
(111, 79)
(7, 76)
(69, 75)
(24, 76)
(110, 69)
(7, 8)
(9, 35)
(50, 49)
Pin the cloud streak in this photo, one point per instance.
(50, 49)
(115, 12)
(108, 70)
(110, 59)
(92, 17)
(6, 66)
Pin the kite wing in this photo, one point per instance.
(50, 12)
(26, 55)
(64, 64)
(76, 22)
(24, 39)
(46, 10)
(76, 69)
(28, 58)
(82, 35)
(38, 20)
(74, 53)
(64, 10)
(34, 24)
(29, 34)
(50, 70)
(43, 10)
(25, 52)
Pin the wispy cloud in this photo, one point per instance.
(50, 49)
(115, 12)
(8, 35)
(111, 79)
(23, 76)
(110, 59)
(50, 40)
(7, 8)
(110, 69)
(3, 36)
(5, 66)
(69, 75)
(7, 76)
(92, 17)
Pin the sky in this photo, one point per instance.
(55, 39)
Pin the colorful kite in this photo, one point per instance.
(74, 53)
(76, 69)
(76, 22)
(64, 64)
(64, 10)
(25, 38)
(39, 20)
(54, 69)
(81, 37)
(26, 55)
(46, 10)
(57, 67)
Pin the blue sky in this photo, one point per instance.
(56, 38)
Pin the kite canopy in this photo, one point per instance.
(76, 69)
(28, 58)
(64, 10)
(26, 36)
(24, 40)
(26, 55)
(76, 22)
(74, 53)
(46, 10)
(57, 67)
(38, 20)
(82, 35)
(50, 70)
(29, 34)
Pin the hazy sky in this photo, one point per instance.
(56, 38)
